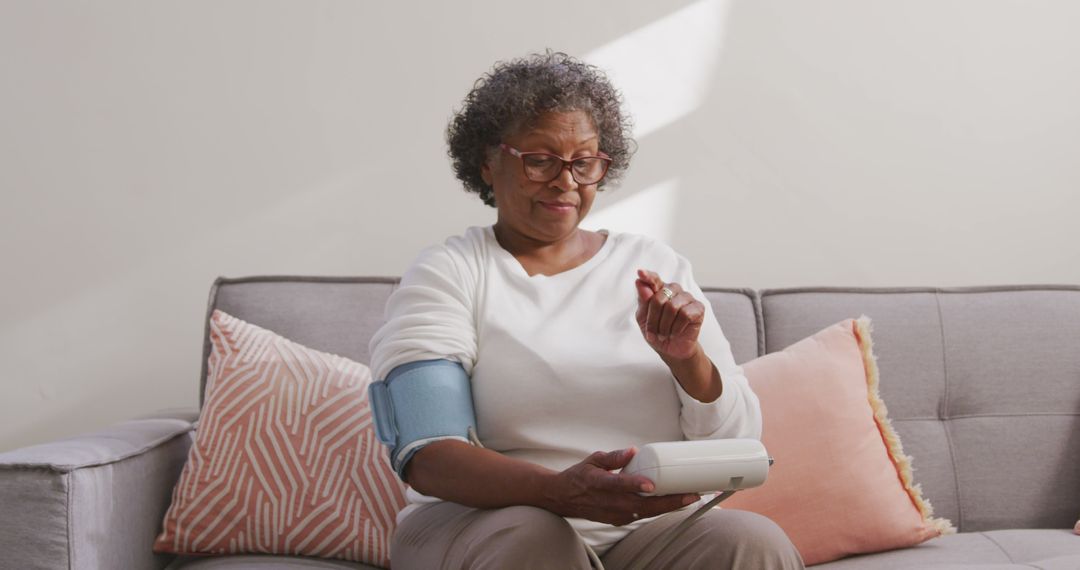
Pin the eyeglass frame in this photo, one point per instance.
(607, 160)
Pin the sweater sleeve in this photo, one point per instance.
(430, 315)
(737, 412)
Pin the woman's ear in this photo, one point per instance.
(490, 157)
(485, 172)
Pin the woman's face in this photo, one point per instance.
(544, 211)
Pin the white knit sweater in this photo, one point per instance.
(559, 367)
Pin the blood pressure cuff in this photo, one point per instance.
(420, 403)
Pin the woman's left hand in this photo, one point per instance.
(669, 318)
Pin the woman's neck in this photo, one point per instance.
(549, 258)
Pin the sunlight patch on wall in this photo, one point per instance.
(663, 69)
(650, 212)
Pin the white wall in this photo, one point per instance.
(148, 147)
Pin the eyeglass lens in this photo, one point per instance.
(542, 168)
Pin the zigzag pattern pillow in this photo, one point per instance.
(285, 459)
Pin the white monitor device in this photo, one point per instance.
(701, 466)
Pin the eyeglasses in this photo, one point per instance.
(545, 167)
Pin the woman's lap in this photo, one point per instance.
(721, 538)
(449, 535)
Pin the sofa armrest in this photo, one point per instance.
(94, 501)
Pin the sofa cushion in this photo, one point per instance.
(1049, 549)
(263, 562)
(285, 459)
(841, 483)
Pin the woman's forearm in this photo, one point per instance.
(476, 477)
(697, 375)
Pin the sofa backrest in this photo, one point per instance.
(982, 384)
(332, 314)
(340, 314)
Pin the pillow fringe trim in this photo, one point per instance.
(862, 329)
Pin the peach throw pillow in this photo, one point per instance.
(285, 459)
(841, 484)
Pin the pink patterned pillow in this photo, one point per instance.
(285, 459)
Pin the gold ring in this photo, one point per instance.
(667, 293)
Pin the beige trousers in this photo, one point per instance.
(448, 536)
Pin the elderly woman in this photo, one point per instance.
(576, 345)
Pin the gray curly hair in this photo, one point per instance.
(515, 93)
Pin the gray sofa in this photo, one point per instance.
(982, 383)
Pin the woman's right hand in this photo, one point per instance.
(590, 490)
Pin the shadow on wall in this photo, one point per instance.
(664, 71)
(854, 143)
(706, 107)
